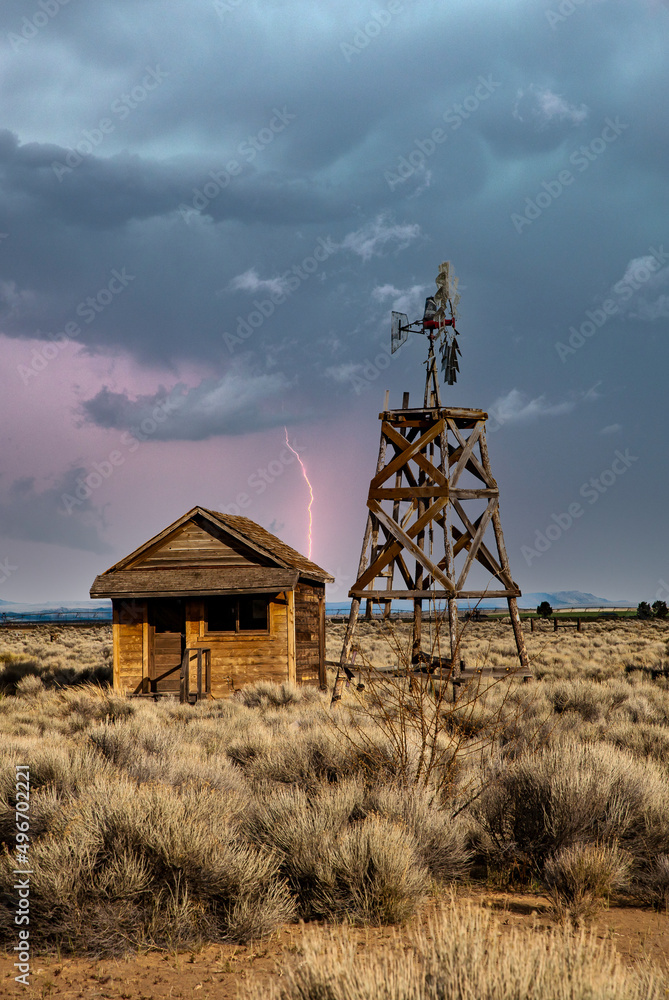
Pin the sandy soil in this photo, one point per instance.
(223, 971)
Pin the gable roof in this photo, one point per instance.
(248, 530)
(123, 578)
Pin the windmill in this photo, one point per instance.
(433, 501)
(438, 323)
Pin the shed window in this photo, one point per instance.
(237, 614)
(222, 614)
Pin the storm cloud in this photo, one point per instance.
(270, 179)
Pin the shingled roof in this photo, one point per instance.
(129, 576)
(252, 532)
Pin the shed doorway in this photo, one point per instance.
(167, 642)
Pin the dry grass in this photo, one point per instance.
(582, 876)
(600, 651)
(460, 953)
(60, 655)
(156, 824)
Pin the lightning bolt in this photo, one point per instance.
(306, 479)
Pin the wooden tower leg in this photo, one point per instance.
(504, 561)
(396, 517)
(448, 557)
(418, 604)
(355, 601)
(513, 603)
(518, 633)
(346, 651)
(417, 629)
(453, 626)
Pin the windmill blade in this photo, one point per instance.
(450, 351)
(398, 332)
(451, 369)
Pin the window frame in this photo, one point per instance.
(237, 630)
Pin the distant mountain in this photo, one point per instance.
(569, 599)
(560, 599)
(101, 610)
(54, 611)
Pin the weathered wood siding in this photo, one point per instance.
(238, 658)
(166, 664)
(308, 631)
(190, 545)
(129, 618)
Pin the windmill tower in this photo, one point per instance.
(433, 519)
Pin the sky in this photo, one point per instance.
(208, 211)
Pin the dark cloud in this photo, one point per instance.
(61, 514)
(239, 403)
(280, 126)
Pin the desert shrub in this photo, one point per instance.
(460, 953)
(253, 744)
(45, 804)
(266, 694)
(651, 885)
(116, 855)
(588, 699)
(567, 792)
(64, 768)
(340, 862)
(190, 766)
(582, 875)
(13, 669)
(639, 709)
(100, 675)
(300, 829)
(115, 743)
(441, 841)
(305, 758)
(97, 703)
(640, 739)
(29, 686)
(371, 874)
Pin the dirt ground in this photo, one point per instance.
(223, 972)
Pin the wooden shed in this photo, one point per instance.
(212, 603)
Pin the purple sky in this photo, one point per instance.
(208, 211)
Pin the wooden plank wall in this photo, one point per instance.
(308, 632)
(129, 618)
(192, 546)
(238, 659)
(290, 637)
